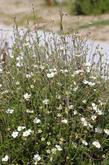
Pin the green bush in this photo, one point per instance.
(52, 111)
(88, 7)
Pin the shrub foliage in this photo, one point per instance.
(88, 7)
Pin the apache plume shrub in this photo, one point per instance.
(52, 109)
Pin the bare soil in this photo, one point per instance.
(48, 18)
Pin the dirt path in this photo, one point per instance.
(47, 18)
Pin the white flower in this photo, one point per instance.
(64, 71)
(78, 55)
(19, 64)
(36, 120)
(42, 67)
(93, 117)
(92, 77)
(88, 83)
(17, 83)
(87, 64)
(4, 92)
(15, 134)
(39, 131)
(20, 128)
(29, 111)
(53, 70)
(65, 121)
(46, 101)
(48, 143)
(84, 122)
(60, 107)
(84, 101)
(61, 139)
(101, 103)
(58, 147)
(70, 106)
(106, 131)
(19, 58)
(96, 144)
(9, 111)
(31, 86)
(78, 72)
(29, 75)
(53, 150)
(59, 115)
(94, 106)
(36, 158)
(0, 85)
(50, 75)
(5, 159)
(98, 130)
(27, 133)
(84, 142)
(91, 84)
(42, 139)
(27, 96)
(48, 151)
(62, 47)
(1, 70)
(88, 67)
(35, 66)
(99, 112)
(75, 112)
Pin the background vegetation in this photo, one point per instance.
(90, 7)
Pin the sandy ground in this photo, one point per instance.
(48, 18)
